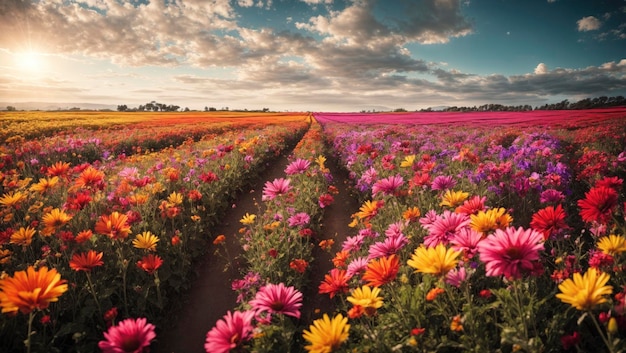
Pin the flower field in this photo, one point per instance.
(477, 231)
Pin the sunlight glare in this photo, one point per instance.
(30, 61)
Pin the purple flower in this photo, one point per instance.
(443, 182)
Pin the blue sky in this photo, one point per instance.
(311, 55)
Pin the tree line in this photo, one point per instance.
(587, 103)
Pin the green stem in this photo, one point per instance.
(93, 293)
(157, 282)
(31, 316)
(601, 332)
(520, 308)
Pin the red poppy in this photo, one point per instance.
(549, 221)
(598, 204)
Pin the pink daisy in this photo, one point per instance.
(275, 188)
(466, 240)
(388, 186)
(230, 332)
(130, 335)
(445, 227)
(298, 166)
(299, 219)
(551, 196)
(456, 277)
(357, 266)
(276, 298)
(443, 182)
(472, 206)
(511, 252)
(389, 246)
(353, 243)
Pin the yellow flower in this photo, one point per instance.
(368, 210)
(23, 236)
(487, 221)
(146, 240)
(326, 335)
(411, 214)
(248, 219)
(437, 261)
(53, 220)
(408, 161)
(12, 199)
(367, 298)
(453, 199)
(612, 244)
(29, 290)
(174, 199)
(320, 160)
(45, 184)
(586, 291)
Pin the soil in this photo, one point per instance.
(210, 295)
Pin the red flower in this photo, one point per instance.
(569, 341)
(150, 263)
(598, 204)
(86, 261)
(381, 271)
(335, 282)
(299, 265)
(549, 221)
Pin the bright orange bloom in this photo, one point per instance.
(381, 271)
(219, 239)
(334, 282)
(83, 236)
(23, 236)
(150, 263)
(434, 293)
(5, 256)
(86, 261)
(12, 199)
(29, 290)
(340, 258)
(412, 214)
(53, 220)
(456, 324)
(58, 169)
(90, 178)
(114, 226)
(299, 265)
(326, 244)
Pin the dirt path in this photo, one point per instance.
(211, 295)
(336, 219)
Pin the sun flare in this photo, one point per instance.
(30, 61)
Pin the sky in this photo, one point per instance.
(311, 55)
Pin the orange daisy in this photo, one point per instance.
(150, 263)
(86, 261)
(53, 220)
(29, 290)
(23, 236)
(90, 178)
(58, 169)
(381, 271)
(114, 226)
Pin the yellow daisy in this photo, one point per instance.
(584, 292)
(146, 240)
(437, 261)
(326, 335)
(612, 244)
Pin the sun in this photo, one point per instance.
(30, 61)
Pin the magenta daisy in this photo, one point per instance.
(353, 243)
(551, 196)
(357, 266)
(388, 186)
(275, 188)
(511, 252)
(445, 227)
(456, 277)
(391, 245)
(230, 332)
(276, 298)
(466, 240)
(298, 166)
(299, 219)
(443, 182)
(130, 335)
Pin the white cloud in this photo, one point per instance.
(245, 3)
(541, 69)
(317, 2)
(589, 23)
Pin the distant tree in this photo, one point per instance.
(186, 109)
(400, 110)
(11, 108)
(212, 109)
(206, 109)
(122, 108)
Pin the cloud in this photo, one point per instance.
(589, 23)
(541, 69)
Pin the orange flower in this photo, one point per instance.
(381, 271)
(58, 169)
(83, 236)
(53, 220)
(86, 261)
(299, 265)
(150, 263)
(45, 184)
(456, 324)
(219, 239)
(23, 236)
(90, 178)
(340, 258)
(434, 293)
(412, 214)
(334, 282)
(326, 244)
(114, 226)
(29, 290)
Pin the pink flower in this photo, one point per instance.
(299, 219)
(130, 335)
(357, 266)
(445, 227)
(389, 246)
(466, 240)
(511, 252)
(352, 243)
(443, 182)
(456, 277)
(388, 186)
(230, 332)
(298, 166)
(275, 188)
(276, 298)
